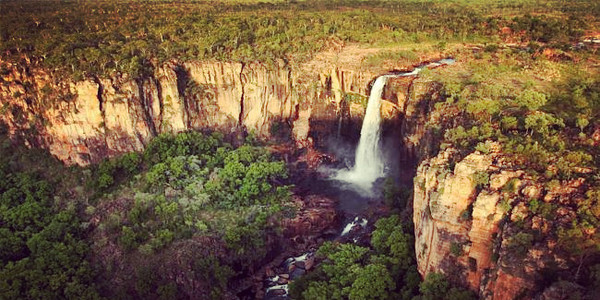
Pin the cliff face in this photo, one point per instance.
(454, 220)
(474, 222)
(468, 210)
(86, 121)
(478, 217)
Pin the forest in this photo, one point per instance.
(105, 38)
(204, 214)
(187, 194)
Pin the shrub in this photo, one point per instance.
(481, 179)
(509, 123)
(456, 249)
(520, 243)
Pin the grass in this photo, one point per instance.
(384, 57)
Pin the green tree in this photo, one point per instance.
(372, 282)
(542, 123)
(531, 100)
(435, 286)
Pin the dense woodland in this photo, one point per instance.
(181, 188)
(80, 39)
(205, 207)
(189, 196)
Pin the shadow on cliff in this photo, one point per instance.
(337, 140)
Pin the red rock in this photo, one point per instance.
(507, 286)
(312, 217)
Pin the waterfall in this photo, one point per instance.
(369, 164)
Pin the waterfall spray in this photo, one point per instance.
(369, 163)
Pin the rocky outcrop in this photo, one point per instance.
(449, 214)
(314, 216)
(477, 220)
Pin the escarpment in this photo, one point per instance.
(484, 219)
(472, 211)
(477, 219)
(86, 121)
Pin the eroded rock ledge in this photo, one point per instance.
(470, 214)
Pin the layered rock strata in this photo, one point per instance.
(86, 121)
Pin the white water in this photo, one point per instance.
(369, 165)
(369, 162)
(284, 287)
(356, 222)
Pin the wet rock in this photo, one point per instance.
(297, 272)
(282, 280)
(301, 264)
(272, 281)
(315, 214)
(291, 268)
(276, 294)
(309, 263)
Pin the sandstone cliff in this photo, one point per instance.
(481, 219)
(471, 213)
(478, 220)
(86, 121)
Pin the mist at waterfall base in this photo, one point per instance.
(370, 161)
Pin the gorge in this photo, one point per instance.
(302, 149)
(369, 162)
(108, 118)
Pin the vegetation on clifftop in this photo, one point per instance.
(80, 39)
(192, 215)
(540, 111)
